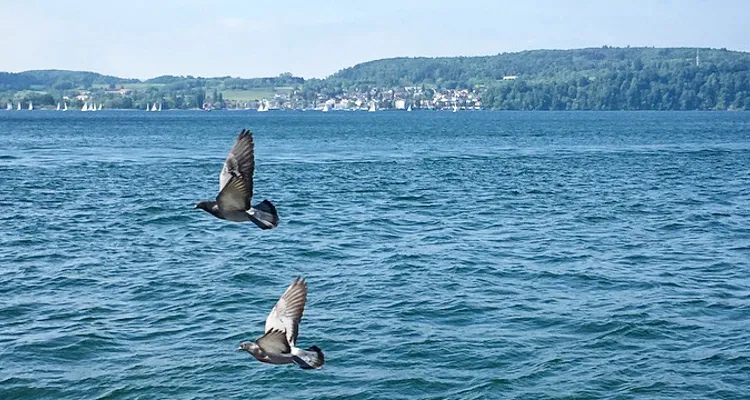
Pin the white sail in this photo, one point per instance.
(372, 107)
(159, 107)
(18, 106)
(100, 106)
(262, 107)
(147, 108)
(85, 107)
(65, 106)
(58, 106)
(31, 106)
(408, 108)
(325, 107)
(153, 107)
(9, 106)
(455, 108)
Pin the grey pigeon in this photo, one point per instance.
(236, 188)
(277, 345)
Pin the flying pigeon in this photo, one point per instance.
(236, 188)
(277, 345)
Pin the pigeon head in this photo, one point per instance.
(249, 347)
(210, 207)
(204, 205)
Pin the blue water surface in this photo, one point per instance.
(470, 255)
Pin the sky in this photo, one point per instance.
(250, 38)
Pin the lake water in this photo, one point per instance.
(469, 255)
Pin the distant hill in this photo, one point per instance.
(63, 80)
(537, 65)
(55, 79)
(584, 79)
(46, 88)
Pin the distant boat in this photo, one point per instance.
(147, 107)
(408, 108)
(159, 107)
(372, 107)
(18, 106)
(9, 106)
(31, 106)
(65, 106)
(455, 108)
(262, 107)
(58, 106)
(153, 107)
(85, 107)
(100, 106)
(92, 107)
(325, 107)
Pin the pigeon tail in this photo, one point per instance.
(264, 215)
(310, 358)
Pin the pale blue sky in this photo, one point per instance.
(143, 39)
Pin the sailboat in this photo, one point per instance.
(31, 106)
(325, 107)
(18, 106)
(85, 107)
(65, 106)
(58, 106)
(408, 108)
(262, 107)
(9, 106)
(153, 107)
(159, 107)
(100, 106)
(372, 107)
(455, 108)
(147, 108)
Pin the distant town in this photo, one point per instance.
(406, 98)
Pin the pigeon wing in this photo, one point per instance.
(235, 196)
(240, 162)
(287, 312)
(274, 342)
